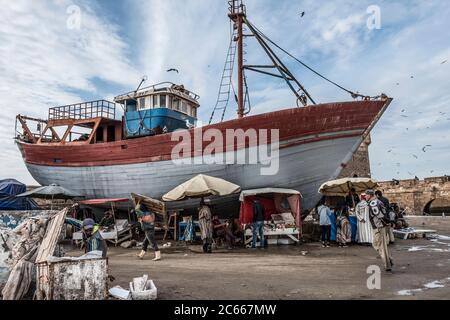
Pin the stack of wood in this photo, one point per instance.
(23, 257)
(156, 206)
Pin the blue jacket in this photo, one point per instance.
(324, 214)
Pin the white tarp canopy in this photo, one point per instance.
(342, 187)
(201, 186)
(254, 192)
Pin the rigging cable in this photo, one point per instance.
(353, 94)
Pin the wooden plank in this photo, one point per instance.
(51, 237)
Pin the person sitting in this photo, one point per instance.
(236, 230)
(400, 221)
(344, 230)
(221, 231)
(107, 221)
(92, 239)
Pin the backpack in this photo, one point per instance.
(385, 220)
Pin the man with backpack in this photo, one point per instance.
(379, 219)
(391, 214)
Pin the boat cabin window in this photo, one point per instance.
(155, 101)
(162, 101)
(142, 103)
(184, 106)
(176, 104)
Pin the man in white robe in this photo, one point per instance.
(365, 230)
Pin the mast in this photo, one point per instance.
(237, 15)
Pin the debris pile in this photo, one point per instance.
(141, 288)
(22, 245)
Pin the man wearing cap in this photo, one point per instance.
(377, 220)
(92, 238)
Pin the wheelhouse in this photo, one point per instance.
(157, 109)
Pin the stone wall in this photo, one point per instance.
(360, 163)
(416, 196)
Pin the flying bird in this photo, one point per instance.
(173, 70)
(390, 151)
(428, 145)
(302, 14)
(412, 77)
(407, 129)
(403, 110)
(398, 83)
(404, 116)
(443, 61)
(415, 156)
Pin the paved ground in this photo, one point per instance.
(421, 271)
(284, 273)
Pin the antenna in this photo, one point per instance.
(144, 78)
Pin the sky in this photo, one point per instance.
(58, 52)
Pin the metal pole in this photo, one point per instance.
(240, 68)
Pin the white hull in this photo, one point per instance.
(302, 167)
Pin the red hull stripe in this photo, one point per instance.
(296, 126)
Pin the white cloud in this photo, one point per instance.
(46, 64)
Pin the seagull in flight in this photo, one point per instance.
(173, 70)
(302, 14)
(428, 145)
(443, 61)
(415, 156)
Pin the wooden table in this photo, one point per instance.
(291, 233)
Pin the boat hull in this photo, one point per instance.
(315, 145)
(303, 167)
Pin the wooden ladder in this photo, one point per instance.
(172, 225)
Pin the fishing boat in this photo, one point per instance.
(102, 155)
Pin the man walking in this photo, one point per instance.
(258, 223)
(206, 229)
(387, 206)
(377, 220)
(147, 220)
(325, 223)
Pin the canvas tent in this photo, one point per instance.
(9, 189)
(272, 199)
